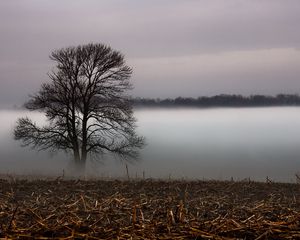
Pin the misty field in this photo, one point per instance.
(148, 209)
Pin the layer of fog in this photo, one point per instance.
(215, 143)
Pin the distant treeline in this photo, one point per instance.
(222, 100)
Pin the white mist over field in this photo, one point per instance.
(217, 143)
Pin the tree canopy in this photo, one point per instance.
(86, 105)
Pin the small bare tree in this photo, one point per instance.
(86, 105)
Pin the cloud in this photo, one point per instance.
(254, 71)
(160, 30)
(156, 28)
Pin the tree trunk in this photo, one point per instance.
(78, 165)
(84, 138)
(79, 170)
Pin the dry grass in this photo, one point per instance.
(148, 209)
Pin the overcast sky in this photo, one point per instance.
(176, 48)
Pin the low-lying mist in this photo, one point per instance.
(216, 143)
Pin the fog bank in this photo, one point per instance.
(191, 143)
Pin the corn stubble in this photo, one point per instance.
(148, 209)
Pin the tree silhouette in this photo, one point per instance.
(222, 100)
(86, 106)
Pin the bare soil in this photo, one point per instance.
(148, 209)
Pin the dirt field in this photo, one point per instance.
(148, 209)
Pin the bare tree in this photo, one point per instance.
(86, 106)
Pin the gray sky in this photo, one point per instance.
(176, 48)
